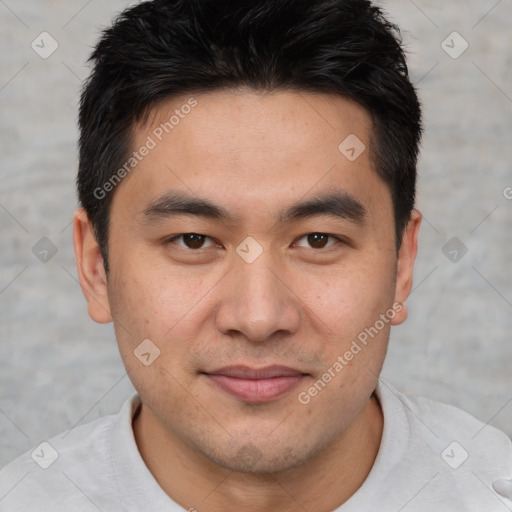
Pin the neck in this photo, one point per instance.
(322, 483)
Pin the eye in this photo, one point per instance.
(319, 240)
(190, 240)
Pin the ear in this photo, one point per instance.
(405, 265)
(91, 273)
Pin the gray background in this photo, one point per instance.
(59, 369)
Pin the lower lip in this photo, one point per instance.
(256, 390)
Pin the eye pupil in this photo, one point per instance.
(315, 239)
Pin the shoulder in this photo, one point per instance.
(447, 422)
(459, 458)
(53, 474)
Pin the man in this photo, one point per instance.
(247, 183)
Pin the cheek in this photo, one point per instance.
(148, 302)
(143, 318)
(147, 298)
(349, 298)
(357, 308)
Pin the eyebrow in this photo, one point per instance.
(338, 204)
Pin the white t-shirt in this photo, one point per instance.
(433, 458)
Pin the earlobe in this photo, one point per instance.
(91, 272)
(405, 265)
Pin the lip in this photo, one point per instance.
(256, 385)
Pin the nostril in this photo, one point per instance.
(503, 487)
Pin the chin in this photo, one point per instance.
(254, 459)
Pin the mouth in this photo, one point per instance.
(256, 385)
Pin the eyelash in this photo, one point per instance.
(176, 237)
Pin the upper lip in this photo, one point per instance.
(246, 372)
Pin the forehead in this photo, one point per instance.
(247, 148)
(247, 120)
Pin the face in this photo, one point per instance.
(254, 303)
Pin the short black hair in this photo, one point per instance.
(163, 48)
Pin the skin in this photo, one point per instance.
(297, 304)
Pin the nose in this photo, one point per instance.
(258, 301)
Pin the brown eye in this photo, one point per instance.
(193, 240)
(190, 240)
(319, 240)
